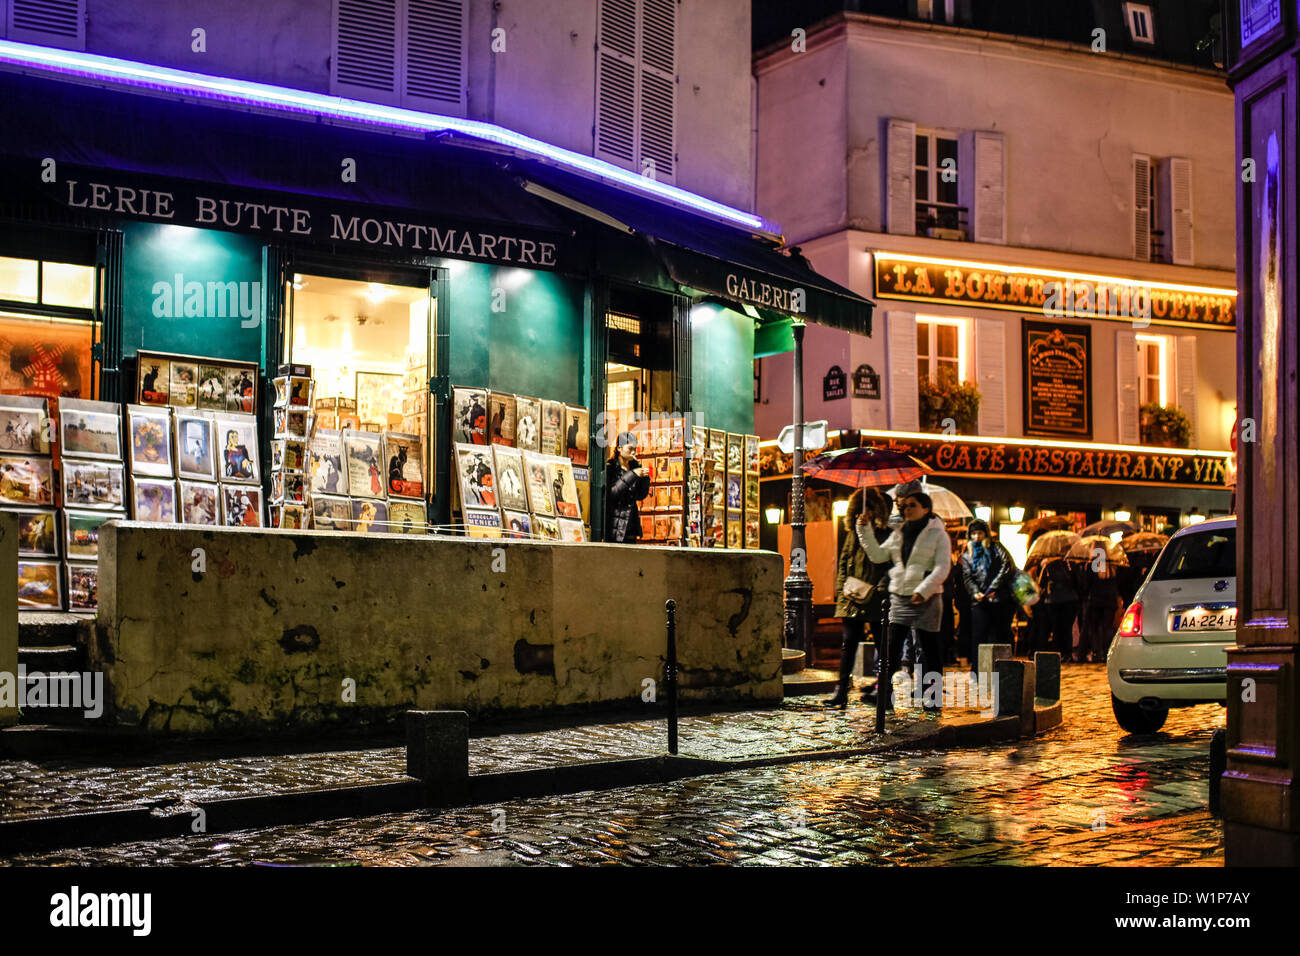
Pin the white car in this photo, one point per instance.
(1171, 647)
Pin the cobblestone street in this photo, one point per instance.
(1084, 794)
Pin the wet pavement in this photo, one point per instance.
(1083, 794)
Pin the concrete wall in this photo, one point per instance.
(265, 638)
(9, 613)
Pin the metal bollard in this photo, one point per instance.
(882, 672)
(670, 675)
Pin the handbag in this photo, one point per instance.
(857, 590)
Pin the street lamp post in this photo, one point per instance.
(798, 587)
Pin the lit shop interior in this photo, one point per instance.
(47, 328)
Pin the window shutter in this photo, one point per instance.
(1179, 231)
(656, 99)
(1141, 206)
(903, 414)
(616, 82)
(364, 60)
(1126, 374)
(1185, 377)
(60, 23)
(989, 204)
(433, 75)
(990, 375)
(900, 181)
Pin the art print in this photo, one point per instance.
(330, 513)
(405, 476)
(81, 533)
(577, 434)
(407, 517)
(541, 500)
(288, 454)
(501, 418)
(241, 506)
(751, 532)
(83, 587)
(153, 500)
(482, 523)
(552, 428)
(510, 479)
(734, 530)
(735, 454)
(300, 392)
(518, 524)
(196, 458)
(546, 528)
(290, 423)
(675, 496)
(200, 503)
(26, 481)
(87, 484)
(528, 424)
(369, 516)
(150, 431)
(212, 388)
(675, 469)
(379, 395)
(154, 385)
(40, 585)
(563, 489)
(237, 439)
(241, 390)
(476, 469)
(571, 530)
(469, 416)
(38, 533)
(751, 493)
(325, 463)
(718, 445)
(363, 461)
(751, 454)
(648, 527)
(735, 492)
(90, 429)
(24, 425)
(289, 517)
(288, 487)
(184, 384)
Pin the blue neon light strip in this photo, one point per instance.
(184, 83)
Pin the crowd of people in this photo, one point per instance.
(938, 597)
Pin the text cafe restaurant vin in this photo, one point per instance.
(1068, 367)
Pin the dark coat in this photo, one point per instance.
(623, 489)
(1001, 572)
(853, 562)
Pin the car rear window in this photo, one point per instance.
(1206, 554)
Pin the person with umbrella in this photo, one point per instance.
(1058, 604)
(987, 570)
(866, 603)
(918, 552)
(1098, 560)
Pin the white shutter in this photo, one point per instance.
(903, 413)
(636, 85)
(990, 375)
(60, 23)
(988, 210)
(616, 82)
(1141, 196)
(1126, 374)
(1185, 378)
(900, 178)
(1179, 233)
(364, 57)
(433, 75)
(657, 96)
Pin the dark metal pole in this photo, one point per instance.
(670, 675)
(882, 667)
(798, 587)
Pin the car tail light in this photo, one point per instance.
(1131, 625)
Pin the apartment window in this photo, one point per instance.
(940, 349)
(636, 84)
(936, 182)
(401, 52)
(944, 184)
(1153, 369)
(1140, 25)
(1162, 209)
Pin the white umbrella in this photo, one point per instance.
(946, 505)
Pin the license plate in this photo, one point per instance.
(1214, 618)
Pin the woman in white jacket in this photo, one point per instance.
(920, 551)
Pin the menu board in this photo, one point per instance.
(1058, 377)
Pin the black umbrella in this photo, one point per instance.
(1108, 528)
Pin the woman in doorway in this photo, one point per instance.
(918, 550)
(856, 611)
(626, 483)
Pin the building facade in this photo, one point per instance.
(1075, 265)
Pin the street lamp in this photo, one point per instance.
(798, 586)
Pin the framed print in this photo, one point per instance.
(38, 533)
(241, 506)
(90, 429)
(331, 513)
(648, 527)
(735, 492)
(407, 517)
(510, 478)
(89, 484)
(751, 454)
(735, 454)
(546, 528)
(663, 528)
(236, 437)
(289, 517)
(369, 516)
(541, 500)
(718, 445)
(200, 503)
(577, 427)
(475, 467)
(405, 476)
(662, 498)
(552, 428)
(290, 423)
(184, 384)
(469, 416)
(482, 523)
(24, 425)
(751, 532)
(292, 391)
(734, 539)
(40, 585)
(571, 530)
(81, 533)
(676, 469)
(288, 454)
(379, 395)
(212, 388)
(196, 458)
(153, 499)
(241, 390)
(288, 487)
(528, 423)
(363, 455)
(563, 488)
(154, 379)
(83, 587)
(325, 463)
(675, 496)
(501, 418)
(517, 524)
(751, 493)
(26, 481)
(150, 440)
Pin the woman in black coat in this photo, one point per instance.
(626, 483)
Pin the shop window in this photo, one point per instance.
(20, 279)
(47, 328)
(370, 342)
(940, 349)
(1153, 369)
(47, 283)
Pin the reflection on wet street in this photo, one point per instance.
(1084, 794)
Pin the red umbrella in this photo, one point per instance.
(865, 467)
